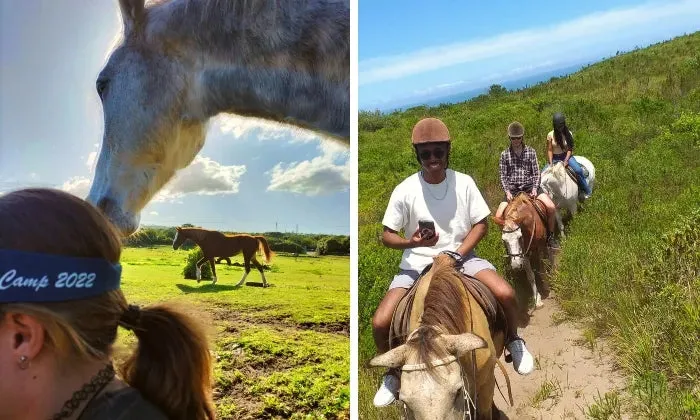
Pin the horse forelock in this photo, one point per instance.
(513, 210)
(445, 311)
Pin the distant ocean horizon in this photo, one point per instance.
(465, 95)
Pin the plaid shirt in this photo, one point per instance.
(519, 173)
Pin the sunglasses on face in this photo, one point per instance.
(517, 138)
(438, 153)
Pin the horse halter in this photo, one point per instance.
(468, 401)
(532, 236)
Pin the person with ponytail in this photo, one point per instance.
(560, 148)
(60, 308)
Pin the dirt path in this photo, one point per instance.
(568, 374)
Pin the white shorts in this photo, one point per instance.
(470, 267)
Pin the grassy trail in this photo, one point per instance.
(630, 265)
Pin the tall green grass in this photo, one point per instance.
(629, 265)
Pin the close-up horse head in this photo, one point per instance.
(181, 62)
(433, 389)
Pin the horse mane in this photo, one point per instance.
(223, 27)
(444, 312)
(515, 204)
(198, 233)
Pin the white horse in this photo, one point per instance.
(563, 190)
(182, 62)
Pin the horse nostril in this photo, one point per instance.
(106, 204)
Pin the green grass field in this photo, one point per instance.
(630, 265)
(281, 352)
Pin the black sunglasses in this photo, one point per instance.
(438, 153)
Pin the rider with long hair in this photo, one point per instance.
(60, 308)
(560, 148)
(452, 204)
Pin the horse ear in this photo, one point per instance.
(393, 358)
(498, 220)
(460, 344)
(132, 14)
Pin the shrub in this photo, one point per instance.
(190, 272)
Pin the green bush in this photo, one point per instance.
(190, 271)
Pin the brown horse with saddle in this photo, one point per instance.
(215, 244)
(447, 335)
(524, 235)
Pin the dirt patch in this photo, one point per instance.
(243, 318)
(327, 327)
(570, 373)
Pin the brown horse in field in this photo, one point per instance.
(215, 244)
(525, 237)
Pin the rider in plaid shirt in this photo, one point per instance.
(520, 173)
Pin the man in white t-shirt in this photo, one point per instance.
(453, 203)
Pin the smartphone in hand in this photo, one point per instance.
(427, 228)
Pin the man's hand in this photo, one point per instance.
(566, 163)
(417, 240)
(533, 193)
(509, 196)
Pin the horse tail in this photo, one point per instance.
(264, 247)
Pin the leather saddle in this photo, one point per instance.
(403, 317)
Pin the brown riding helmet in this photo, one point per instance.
(430, 130)
(515, 129)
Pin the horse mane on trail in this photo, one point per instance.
(445, 311)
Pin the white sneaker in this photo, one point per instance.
(523, 363)
(387, 392)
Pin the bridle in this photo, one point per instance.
(532, 236)
(468, 402)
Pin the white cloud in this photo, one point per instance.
(90, 162)
(318, 176)
(203, 176)
(78, 186)
(260, 129)
(564, 37)
(153, 213)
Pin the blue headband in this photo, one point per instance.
(33, 277)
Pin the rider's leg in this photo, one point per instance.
(382, 318)
(381, 323)
(486, 273)
(579, 173)
(551, 218)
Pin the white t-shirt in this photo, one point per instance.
(454, 205)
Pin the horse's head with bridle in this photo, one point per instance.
(447, 360)
(438, 388)
(521, 229)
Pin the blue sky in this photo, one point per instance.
(414, 50)
(248, 177)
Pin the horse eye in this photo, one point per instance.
(101, 87)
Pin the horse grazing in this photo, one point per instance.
(563, 189)
(181, 62)
(447, 362)
(524, 223)
(215, 244)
